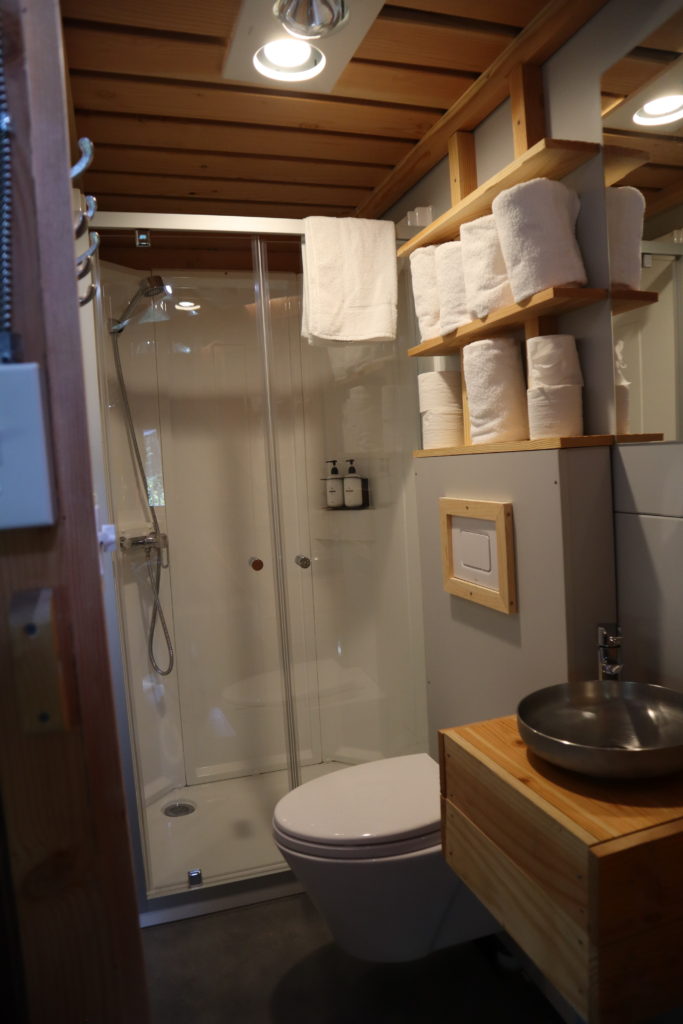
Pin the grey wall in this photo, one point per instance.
(480, 662)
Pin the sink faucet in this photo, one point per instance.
(609, 646)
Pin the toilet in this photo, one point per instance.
(365, 844)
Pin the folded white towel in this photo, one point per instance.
(350, 280)
(496, 396)
(486, 279)
(440, 389)
(625, 212)
(552, 359)
(442, 428)
(426, 291)
(622, 395)
(555, 411)
(450, 279)
(535, 222)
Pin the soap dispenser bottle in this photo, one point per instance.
(334, 492)
(356, 493)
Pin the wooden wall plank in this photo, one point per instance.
(201, 17)
(215, 188)
(247, 168)
(518, 13)
(409, 41)
(216, 103)
(556, 23)
(173, 133)
(62, 793)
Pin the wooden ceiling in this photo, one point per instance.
(171, 135)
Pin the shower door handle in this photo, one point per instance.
(302, 561)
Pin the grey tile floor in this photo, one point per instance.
(275, 963)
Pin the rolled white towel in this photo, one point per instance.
(555, 411)
(486, 279)
(625, 212)
(496, 397)
(622, 396)
(552, 360)
(442, 428)
(450, 279)
(535, 222)
(426, 291)
(440, 389)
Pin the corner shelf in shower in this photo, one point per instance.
(549, 158)
(540, 444)
(549, 302)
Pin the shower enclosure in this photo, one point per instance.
(294, 632)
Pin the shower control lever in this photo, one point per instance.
(302, 561)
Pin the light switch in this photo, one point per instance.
(475, 550)
(475, 554)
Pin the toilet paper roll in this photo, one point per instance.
(440, 389)
(622, 396)
(442, 428)
(625, 211)
(555, 411)
(552, 360)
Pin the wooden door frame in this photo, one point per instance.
(62, 793)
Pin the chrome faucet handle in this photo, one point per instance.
(609, 644)
(609, 634)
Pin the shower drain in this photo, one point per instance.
(179, 808)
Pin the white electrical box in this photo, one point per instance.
(25, 485)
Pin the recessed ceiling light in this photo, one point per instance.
(662, 110)
(187, 305)
(289, 60)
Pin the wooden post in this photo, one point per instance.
(528, 111)
(463, 165)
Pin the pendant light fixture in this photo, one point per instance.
(311, 19)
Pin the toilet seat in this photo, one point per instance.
(379, 809)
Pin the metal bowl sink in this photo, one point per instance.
(606, 728)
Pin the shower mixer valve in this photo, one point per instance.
(149, 541)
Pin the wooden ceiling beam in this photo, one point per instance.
(545, 34)
(630, 74)
(221, 188)
(392, 83)
(165, 133)
(218, 207)
(223, 103)
(125, 159)
(661, 149)
(201, 17)
(448, 46)
(156, 258)
(504, 12)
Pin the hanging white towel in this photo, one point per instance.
(350, 280)
(555, 411)
(426, 291)
(536, 222)
(486, 279)
(552, 359)
(450, 279)
(625, 212)
(496, 396)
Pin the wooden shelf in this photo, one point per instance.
(549, 158)
(546, 303)
(625, 299)
(541, 444)
(637, 438)
(620, 160)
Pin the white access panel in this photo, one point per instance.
(25, 485)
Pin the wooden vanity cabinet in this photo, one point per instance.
(585, 875)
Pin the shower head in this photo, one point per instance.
(149, 288)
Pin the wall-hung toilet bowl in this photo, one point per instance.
(365, 844)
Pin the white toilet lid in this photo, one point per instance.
(367, 804)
